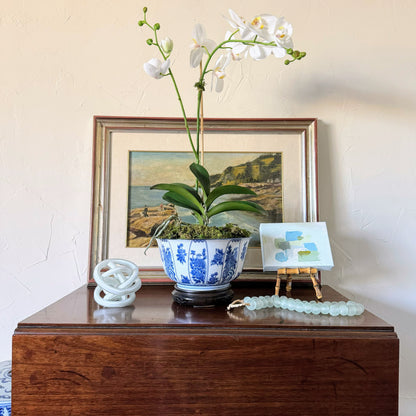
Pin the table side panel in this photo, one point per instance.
(172, 373)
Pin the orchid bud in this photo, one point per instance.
(167, 45)
(289, 51)
(140, 22)
(157, 26)
(149, 41)
(145, 9)
(287, 62)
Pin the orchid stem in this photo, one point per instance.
(202, 148)
(185, 119)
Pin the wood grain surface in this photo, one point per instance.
(159, 358)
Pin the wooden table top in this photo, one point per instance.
(154, 309)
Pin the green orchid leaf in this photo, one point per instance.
(181, 190)
(202, 176)
(235, 206)
(190, 189)
(226, 190)
(180, 201)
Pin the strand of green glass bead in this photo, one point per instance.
(342, 308)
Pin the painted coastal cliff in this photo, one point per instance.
(261, 173)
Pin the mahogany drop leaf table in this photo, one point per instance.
(157, 358)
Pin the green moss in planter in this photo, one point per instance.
(179, 230)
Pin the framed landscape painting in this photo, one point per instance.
(274, 157)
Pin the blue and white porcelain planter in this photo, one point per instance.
(203, 265)
(5, 388)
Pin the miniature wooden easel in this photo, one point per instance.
(289, 273)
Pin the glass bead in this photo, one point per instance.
(291, 304)
(308, 307)
(276, 301)
(252, 304)
(299, 307)
(360, 309)
(343, 309)
(283, 302)
(325, 308)
(269, 301)
(334, 310)
(316, 309)
(266, 302)
(352, 310)
(261, 303)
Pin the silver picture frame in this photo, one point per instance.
(110, 165)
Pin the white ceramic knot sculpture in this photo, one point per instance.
(118, 280)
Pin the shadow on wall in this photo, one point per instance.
(356, 89)
(356, 260)
(325, 185)
(355, 256)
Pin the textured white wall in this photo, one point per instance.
(63, 61)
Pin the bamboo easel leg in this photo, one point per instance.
(288, 284)
(277, 287)
(316, 287)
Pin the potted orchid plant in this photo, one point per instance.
(187, 259)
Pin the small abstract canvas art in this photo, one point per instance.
(292, 245)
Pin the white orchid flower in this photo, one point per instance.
(240, 23)
(166, 45)
(271, 29)
(200, 45)
(278, 51)
(259, 52)
(267, 28)
(218, 74)
(264, 26)
(238, 51)
(237, 22)
(156, 68)
(282, 37)
(283, 33)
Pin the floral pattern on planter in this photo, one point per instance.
(5, 388)
(244, 251)
(181, 254)
(230, 263)
(218, 257)
(203, 264)
(166, 254)
(198, 261)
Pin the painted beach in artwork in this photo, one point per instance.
(147, 210)
(292, 245)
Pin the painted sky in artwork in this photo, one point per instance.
(149, 168)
